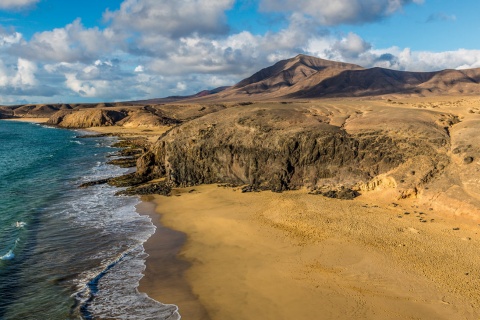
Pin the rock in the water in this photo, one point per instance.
(93, 183)
(149, 188)
(124, 162)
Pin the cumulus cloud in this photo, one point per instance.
(173, 19)
(151, 49)
(72, 43)
(25, 73)
(328, 12)
(18, 81)
(351, 46)
(8, 38)
(16, 4)
(21, 74)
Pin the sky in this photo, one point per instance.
(55, 51)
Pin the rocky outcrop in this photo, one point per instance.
(86, 118)
(6, 113)
(288, 147)
(145, 118)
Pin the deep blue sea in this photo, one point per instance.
(66, 252)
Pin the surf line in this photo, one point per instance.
(91, 289)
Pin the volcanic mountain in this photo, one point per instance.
(310, 77)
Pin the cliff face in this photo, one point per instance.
(130, 116)
(286, 147)
(6, 113)
(86, 118)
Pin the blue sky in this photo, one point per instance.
(110, 50)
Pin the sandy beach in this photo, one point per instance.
(34, 120)
(219, 253)
(294, 255)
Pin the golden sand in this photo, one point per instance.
(34, 120)
(299, 256)
(151, 134)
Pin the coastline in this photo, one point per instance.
(282, 256)
(33, 120)
(163, 278)
(294, 255)
(177, 288)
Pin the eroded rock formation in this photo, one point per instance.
(281, 147)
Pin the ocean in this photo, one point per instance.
(66, 252)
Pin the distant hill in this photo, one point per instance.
(170, 99)
(310, 77)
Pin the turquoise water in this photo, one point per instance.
(65, 252)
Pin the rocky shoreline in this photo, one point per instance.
(335, 148)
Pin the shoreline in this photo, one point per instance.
(163, 279)
(32, 120)
(219, 254)
(276, 256)
(173, 240)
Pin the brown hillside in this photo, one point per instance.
(311, 77)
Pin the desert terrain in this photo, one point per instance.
(312, 189)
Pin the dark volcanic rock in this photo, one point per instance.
(124, 162)
(127, 180)
(93, 183)
(342, 193)
(151, 188)
(6, 112)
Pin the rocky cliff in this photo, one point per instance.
(281, 147)
(86, 118)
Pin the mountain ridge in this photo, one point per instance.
(311, 77)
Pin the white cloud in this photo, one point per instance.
(72, 43)
(158, 48)
(173, 19)
(181, 86)
(8, 39)
(16, 4)
(328, 12)
(83, 88)
(19, 75)
(25, 74)
(351, 46)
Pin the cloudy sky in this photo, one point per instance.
(111, 50)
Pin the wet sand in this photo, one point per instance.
(164, 277)
(299, 256)
(34, 120)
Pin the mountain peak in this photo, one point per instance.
(309, 77)
(287, 73)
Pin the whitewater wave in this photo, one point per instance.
(8, 256)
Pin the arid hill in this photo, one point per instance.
(415, 150)
(172, 99)
(305, 77)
